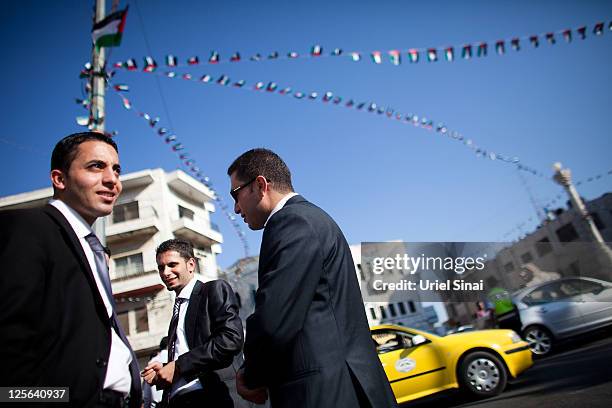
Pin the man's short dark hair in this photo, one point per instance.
(184, 248)
(66, 149)
(262, 162)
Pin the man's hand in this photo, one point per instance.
(255, 395)
(150, 371)
(159, 375)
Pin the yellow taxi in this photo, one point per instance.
(418, 364)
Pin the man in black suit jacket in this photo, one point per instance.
(57, 322)
(307, 343)
(205, 334)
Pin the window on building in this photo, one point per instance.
(373, 313)
(130, 265)
(598, 222)
(567, 233)
(411, 306)
(185, 212)
(526, 257)
(383, 312)
(142, 320)
(543, 246)
(509, 267)
(392, 310)
(402, 308)
(125, 212)
(124, 321)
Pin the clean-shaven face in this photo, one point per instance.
(174, 270)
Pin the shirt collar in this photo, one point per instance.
(78, 224)
(280, 205)
(186, 291)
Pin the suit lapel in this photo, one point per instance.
(75, 246)
(191, 317)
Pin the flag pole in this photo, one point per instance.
(96, 113)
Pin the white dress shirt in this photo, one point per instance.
(280, 205)
(182, 386)
(118, 377)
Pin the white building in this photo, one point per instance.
(153, 207)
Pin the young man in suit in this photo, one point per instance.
(307, 343)
(205, 334)
(58, 326)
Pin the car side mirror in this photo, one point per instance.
(418, 340)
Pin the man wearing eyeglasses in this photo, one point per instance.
(307, 342)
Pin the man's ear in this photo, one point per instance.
(191, 265)
(58, 179)
(262, 185)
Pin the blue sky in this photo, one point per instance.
(378, 178)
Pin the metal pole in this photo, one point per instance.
(564, 177)
(97, 101)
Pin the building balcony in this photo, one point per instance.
(134, 222)
(199, 233)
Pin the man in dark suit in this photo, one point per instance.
(204, 337)
(307, 343)
(58, 327)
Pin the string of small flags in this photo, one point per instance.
(561, 198)
(186, 158)
(395, 57)
(330, 98)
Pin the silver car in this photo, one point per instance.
(557, 309)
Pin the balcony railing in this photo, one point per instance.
(142, 212)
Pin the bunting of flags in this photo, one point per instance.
(364, 106)
(177, 147)
(394, 56)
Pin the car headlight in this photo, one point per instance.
(515, 337)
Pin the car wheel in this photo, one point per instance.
(540, 340)
(483, 374)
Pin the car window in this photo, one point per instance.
(586, 286)
(390, 340)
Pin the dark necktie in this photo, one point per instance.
(102, 270)
(173, 328)
(172, 341)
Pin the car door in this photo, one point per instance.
(555, 305)
(596, 302)
(411, 370)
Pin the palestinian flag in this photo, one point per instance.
(153, 122)
(350, 103)
(126, 103)
(170, 74)
(516, 44)
(432, 55)
(206, 78)
(239, 84)
(567, 34)
(482, 49)
(376, 57)
(108, 31)
(256, 57)
(293, 54)
(449, 53)
(187, 77)
(414, 56)
(582, 32)
(598, 29)
(214, 57)
(466, 52)
(223, 80)
(298, 95)
(171, 60)
(121, 88)
(535, 41)
(235, 57)
(500, 47)
(271, 87)
(395, 56)
(193, 61)
(361, 105)
(355, 56)
(313, 95)
(285, 91)
(316, 50)
(178, 147)
(131, 64)
(336, 52)
(337, 100)
(550, 37)
(327, 96)
(150, 64)
(162, 131)
(273, 55)
(259, 86)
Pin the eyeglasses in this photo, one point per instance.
(234, 192)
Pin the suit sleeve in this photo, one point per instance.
(293, 268)
(226, 338)
(22, 290)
